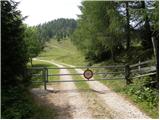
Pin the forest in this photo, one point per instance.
(117, 32)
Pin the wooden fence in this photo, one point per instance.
(141, 69)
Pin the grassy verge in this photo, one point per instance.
(82, 84)
(37, 63)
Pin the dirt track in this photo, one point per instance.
(71, 103)
(67, 95)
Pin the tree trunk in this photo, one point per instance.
(147, 42)
(113, 56)
(31, 62)
(127, 27)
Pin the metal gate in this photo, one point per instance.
(114, 72)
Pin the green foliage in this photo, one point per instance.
(100, 30)
(34, 45)
(14, 49)
(143, 93)
(145, 96)
(59, 29)
(32, 41)
(14, 52)
(12, 104)
(110, 30)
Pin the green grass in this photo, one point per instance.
(37, 63)
(63, 51)
(82, 84)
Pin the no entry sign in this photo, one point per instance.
(88, 74)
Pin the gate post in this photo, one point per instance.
(44, 78)
(46, 74)
(127, 74)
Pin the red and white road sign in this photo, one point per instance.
(88, 74)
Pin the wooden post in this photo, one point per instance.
(139, 66)
(155, 48)
(127, 75)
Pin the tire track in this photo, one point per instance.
(121, 108)
(78, 108)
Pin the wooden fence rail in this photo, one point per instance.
(142, 63)
(148, 70)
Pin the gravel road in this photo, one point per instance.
(103, 104)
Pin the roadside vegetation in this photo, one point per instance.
(143, 96)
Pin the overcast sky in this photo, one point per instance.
(40, 11)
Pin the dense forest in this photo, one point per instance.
(59, 29)
(117, 31)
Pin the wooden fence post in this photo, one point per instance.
(127, 74)
(156, 53)
(139, 67)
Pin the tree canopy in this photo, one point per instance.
(14, 49)
(116, 30)
(59, 29)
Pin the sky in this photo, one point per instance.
(41, 11)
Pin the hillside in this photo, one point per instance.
(62, 51)
(59, 29)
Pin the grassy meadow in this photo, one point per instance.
(62, 51)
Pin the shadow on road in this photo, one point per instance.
(78, 90)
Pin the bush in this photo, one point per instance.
(141, 93)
